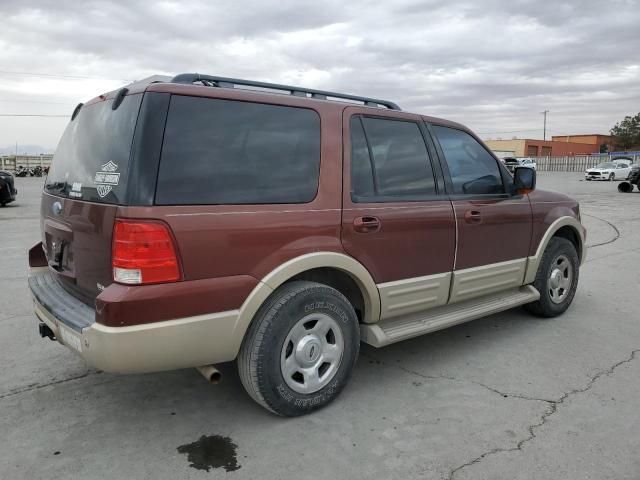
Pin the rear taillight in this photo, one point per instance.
(143, 252)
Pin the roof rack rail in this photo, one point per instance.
(224, 82)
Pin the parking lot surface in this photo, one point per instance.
(508, 396)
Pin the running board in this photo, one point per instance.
(396, 329)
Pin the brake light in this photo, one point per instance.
(143, 252)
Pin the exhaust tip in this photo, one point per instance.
(625, 187)
(210, 373)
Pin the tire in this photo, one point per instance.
(612, 177)
(555, 301)
(284, 334)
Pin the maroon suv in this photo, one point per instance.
(198, 220)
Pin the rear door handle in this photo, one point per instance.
(473, 216)
(366, 224)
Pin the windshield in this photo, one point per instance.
(606, 165)
(92, 158)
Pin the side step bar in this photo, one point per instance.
(396, 329)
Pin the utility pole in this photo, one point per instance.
(544, 131)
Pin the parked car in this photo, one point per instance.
(215, 222)
(528, 162)
(511, 163)
(634, 176)
(8, 189)
(623, 159)
(608, 171)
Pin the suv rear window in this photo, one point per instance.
(92, 158)
(230, 152)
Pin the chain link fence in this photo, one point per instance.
(576, 163)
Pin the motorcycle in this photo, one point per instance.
(23, 171)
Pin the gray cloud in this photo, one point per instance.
(493, 65)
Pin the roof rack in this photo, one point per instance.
(224, 82)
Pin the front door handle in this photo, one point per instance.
(366, 224)
(473, 216)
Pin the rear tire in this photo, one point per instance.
(556, 279)
(300, 349)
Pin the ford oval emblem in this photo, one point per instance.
(57, 208)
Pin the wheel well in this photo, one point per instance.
(339, 280)
(571, 235)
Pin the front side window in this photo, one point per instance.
(229, 152)
(473, 169)
(389, 161)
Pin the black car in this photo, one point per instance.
(8, 190)
(634, 175)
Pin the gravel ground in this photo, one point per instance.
(505, 397)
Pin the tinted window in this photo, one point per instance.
(399, 166)
(473, 170)
(92, 158)
(228, 152)
(361, 173)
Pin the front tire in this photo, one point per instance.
(556, 279)
(300, 349)
(612, 177)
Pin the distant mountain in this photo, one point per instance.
(25, 150)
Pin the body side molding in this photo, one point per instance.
(411, 295)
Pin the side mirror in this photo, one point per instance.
(524, 180)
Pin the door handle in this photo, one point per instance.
(473, 216)
(366, 224)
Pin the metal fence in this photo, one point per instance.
(11, 162)
(575, 163)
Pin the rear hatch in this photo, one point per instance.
(86, 183)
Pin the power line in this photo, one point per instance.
(30, 115)
(2, 100)
(56, 75)
(509, 131)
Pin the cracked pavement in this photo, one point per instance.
(509, 396)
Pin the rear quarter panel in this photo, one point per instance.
(228, 240)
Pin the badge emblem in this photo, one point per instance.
(106, 178)
(56, 208)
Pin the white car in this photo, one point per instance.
(528, 162)
(608, 171)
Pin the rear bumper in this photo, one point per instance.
(151, 347)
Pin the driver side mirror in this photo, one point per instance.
(524, 180)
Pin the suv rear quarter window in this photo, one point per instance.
(231, 152)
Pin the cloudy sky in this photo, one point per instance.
(492, 64)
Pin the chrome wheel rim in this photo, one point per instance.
(311, 353)
(560, 279)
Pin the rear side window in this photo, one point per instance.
(92, 158)
(389, 161)
(229, 152)
(473, 170)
